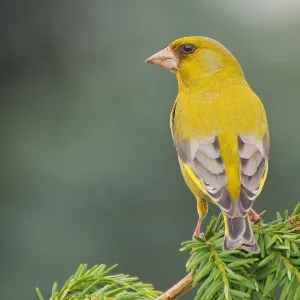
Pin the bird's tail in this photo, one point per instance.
(238, 233)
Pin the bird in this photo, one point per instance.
(220, 132)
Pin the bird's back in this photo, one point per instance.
(225, 107)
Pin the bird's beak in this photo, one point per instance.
(164, 58)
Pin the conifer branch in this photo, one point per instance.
(97, 284)
(217, 274)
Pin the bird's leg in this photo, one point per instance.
(197, 231)
(254, 216)
(202, 211)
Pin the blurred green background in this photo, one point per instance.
(89, 172)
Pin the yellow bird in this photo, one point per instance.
(220, 131)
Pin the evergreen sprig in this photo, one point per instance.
(240, 275)
(217, 274)
(96, 284)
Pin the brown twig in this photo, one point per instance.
(178, 289)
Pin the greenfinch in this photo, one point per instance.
(220, 132)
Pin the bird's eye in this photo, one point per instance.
(188, 48)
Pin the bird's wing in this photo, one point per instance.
(254, 156)
(205, 165)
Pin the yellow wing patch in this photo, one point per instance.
(198, 183)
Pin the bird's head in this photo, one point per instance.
(196, 57)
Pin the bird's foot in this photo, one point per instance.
(200, 235)
(254, 216)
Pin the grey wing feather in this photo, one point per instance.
(254, 155)
(204, 158)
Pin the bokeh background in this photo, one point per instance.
(89, 172)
